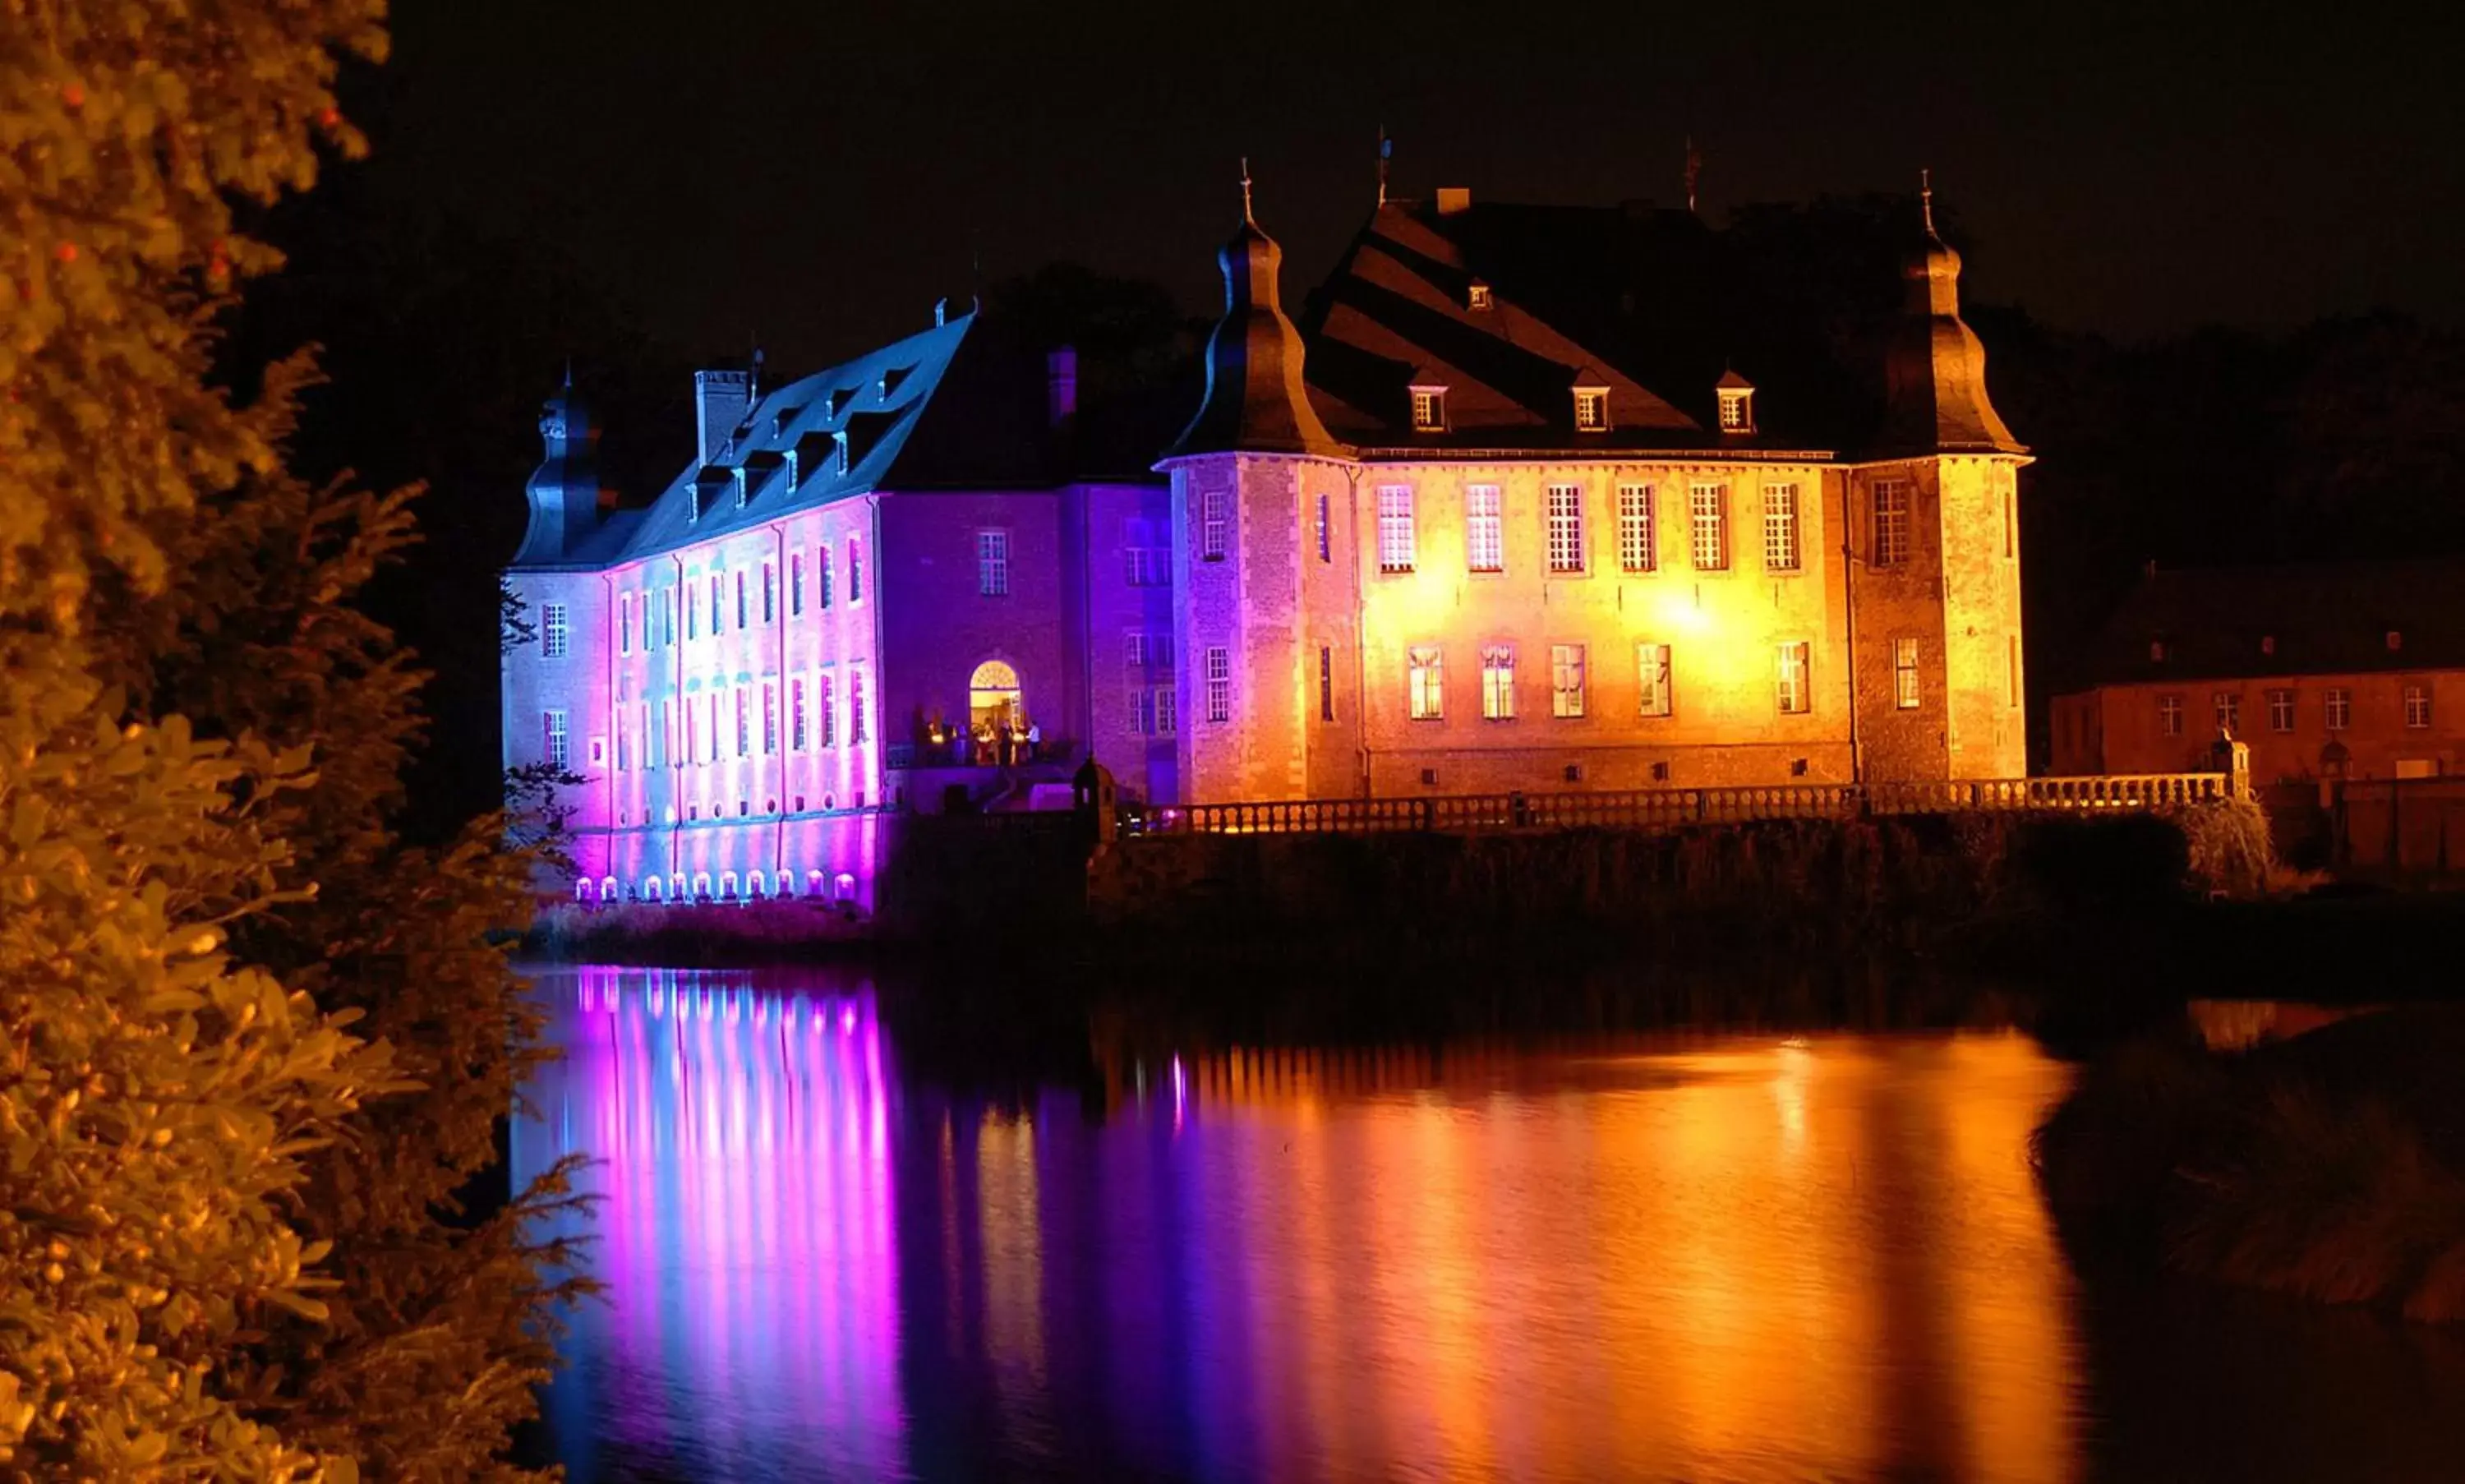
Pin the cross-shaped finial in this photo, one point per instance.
(1244, 193)
(1925, 198)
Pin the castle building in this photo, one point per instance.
(1530, 498)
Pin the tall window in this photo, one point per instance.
(826, 710)
(1780, 528)
(1637, 550)
(1426, 672)
(693, 737)
(1214, 523)
(558, 749)
(855, 576)
(1565, 527)
(1325, 533)
(2340, 708)
(1397, 548)
(1795, 694)
(624, 740)
(2417, 706)
(1219, 683)
(743, 722)
(1484, 542)
(2228, 705)
(1325, 683)
(1891, 521)
(2010, 516)
(770, 717)
(2011, 671)
(1905, 694)
(554, 635)
(769, 592)
(625, 625)
(2280, 710)
(660, 745)
(1134, 652)
(799, 736)
(1708, 510)
(740, 600)
(2169, 715)
(1652, 675)
(822, 574)
(859, 724)
(716, 596)
(1565, 680)
(1498, 682)
(796, 584)
(1144, 562)
(993, 564)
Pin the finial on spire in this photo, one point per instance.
(1925, 197)
(1385, 152)
(1246, 214)
(568, 372)
(1694, 171)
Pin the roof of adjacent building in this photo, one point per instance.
(2328, 618)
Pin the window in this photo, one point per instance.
(740, 600)
(1325, 535)
(554, 635)
(1219, 683)
(2228, 705)
(1708, 510)
(669, 598)
(1214, 524)
(2169, 715)
(558, 749)
(716, 592)
(1484, 541)
(1591, 409)
(1637, 549)
(2417, 706)
(1780, 528)
(859, 728)
(1565, 527)
(2340, 708)
(993, 564)
(2010, 525)
(1652, 674)
(624, 745)
(743, 722)
(1134, 652)
(1397, 549)
(1427, 677)
(1905, 694)
(2280, 710)
(1794, 693)
(1476, 296)
(1565, 680)
(2011, 671)
(2395, 640)
(625, 625)
(1168, 710)
(855, 573)
(693, 740)
(1429, 408)
(799, 738)
(1143, 714)
(1737, 409)
(826, 712)
(1891, 521)
(1498, 682)
(2157, 652)
(1142, 556)
(769, 592)
(822, 574)
(770, 717)
(796, 584)
(1325, 683)
(658, 744)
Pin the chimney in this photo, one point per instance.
(721, 399)
(1453, 199)
(1061, 385)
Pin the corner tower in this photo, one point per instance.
(564, 491)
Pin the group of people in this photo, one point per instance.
(992, 741)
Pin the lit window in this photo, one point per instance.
(1429, 410)
(715, 596)
(2268, 644)
(2169, 715)
(2011, 671)
(1397, 549)
(2010, 521)
(2395, 640)
(1168, 710)
(1892, 522)
(769, 592)
(740, 600)
(1219, 683)
(1591, 409)
(856, 571)
(1142, 557)
(799, 738)
(822, 574)
(993, 564)
(1737, 409)
(743, 722)
(2417, 706)
(660, 745)
(796, 584)
(1652, 675)
(1780, 528)
(859, 726)
(1498, 682)
(712, 731)
(557, 749)
(2339, 706)
(2228, 707)
(1478, 297)
(1325, 534)
(1325, 683)
(825, 712)
(1485, 538)
(625, 625)
(554, 635)
(1708, 509)
(1565, 680)
(1565, 527)
(2280, 710)
(2156, 651)
(1795, 694)
(770, 717)
(1215, 523)
(1428, 678)
(1638, 551)
(1134, 652)
(624, 745)
(1905, 694)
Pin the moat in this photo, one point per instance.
(1707, 1252)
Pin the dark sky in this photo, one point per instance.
(820, 172)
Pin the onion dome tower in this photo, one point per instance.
(1935, 375)
(564, 491)
(1255, 403)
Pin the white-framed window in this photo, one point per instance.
(770, 717)
(1144, 561)
(1795, 694)
(826, 710)
(799, 734)
(1484, 535)
(1651, 676)
(718, 596)
(1591, 409)
(1398, 549)
(1498, 682)
(859, 720)
(1219, 683)
(769, 592)
(1737, 409)
(1566, 697)
(1325, 532)
(1566, 528)
(1479, 298)
(744, 720)
(822, 575)
(1214, 523)
(1781, 553)
(2417, 706)
(796, 584)
(1639, 548)
(2169, 715)
(625, 625)
(1429, 410)
(558, 744)
(1426, 675)
(1906, 691)
(1142, 702)
(2339, 704)
(2280, 710)
(1134, 652)
(2228, 707)
(1891, 521)
(555, 635)
(1168, 710)
(856, 571)
(993, 564)
(1707, 508)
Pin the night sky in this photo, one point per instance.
(817, 174)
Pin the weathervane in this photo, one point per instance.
(1925, 198)
(1246, 214)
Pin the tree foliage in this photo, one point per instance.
(253, 1049)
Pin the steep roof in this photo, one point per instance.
(2225, 623)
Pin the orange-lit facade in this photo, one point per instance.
(1434, 541)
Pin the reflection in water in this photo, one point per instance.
(1674, 1256)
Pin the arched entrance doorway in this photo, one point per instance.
(996, 711)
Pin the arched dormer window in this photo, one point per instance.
(1428, 408)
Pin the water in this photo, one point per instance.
(1703, 1256)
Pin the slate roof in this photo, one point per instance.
(2326, 618)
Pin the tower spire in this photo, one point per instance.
(1385, 152)
(1247, 214)
(1925, 197)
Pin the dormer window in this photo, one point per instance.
(1737, 409)
(2157, 652)
(1429, 410)
(2395, 640)
(1591, 409)
(1477, 298)
(741, 486)
(2268, 644)
(839, 453)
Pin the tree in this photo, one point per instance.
(252, 1047)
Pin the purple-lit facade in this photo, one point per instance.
(759, 669)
